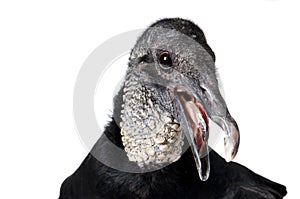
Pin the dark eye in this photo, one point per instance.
(165, 58)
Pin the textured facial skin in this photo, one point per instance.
(151, 133)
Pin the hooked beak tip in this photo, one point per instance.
(232, 141)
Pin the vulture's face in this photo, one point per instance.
(171, 92)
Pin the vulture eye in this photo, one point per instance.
(165, 58)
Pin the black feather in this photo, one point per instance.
(179, 180)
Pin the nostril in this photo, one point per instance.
(203, 89)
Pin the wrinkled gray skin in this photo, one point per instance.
(152, 116)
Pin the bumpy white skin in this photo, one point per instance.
(149, 134)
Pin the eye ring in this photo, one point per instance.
(165, 59)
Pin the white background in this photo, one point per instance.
(42, 48)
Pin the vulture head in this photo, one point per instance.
(170, 95)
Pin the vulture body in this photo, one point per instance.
(179, 177)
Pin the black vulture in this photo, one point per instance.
(160, 122)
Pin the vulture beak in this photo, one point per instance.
(195, 106)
